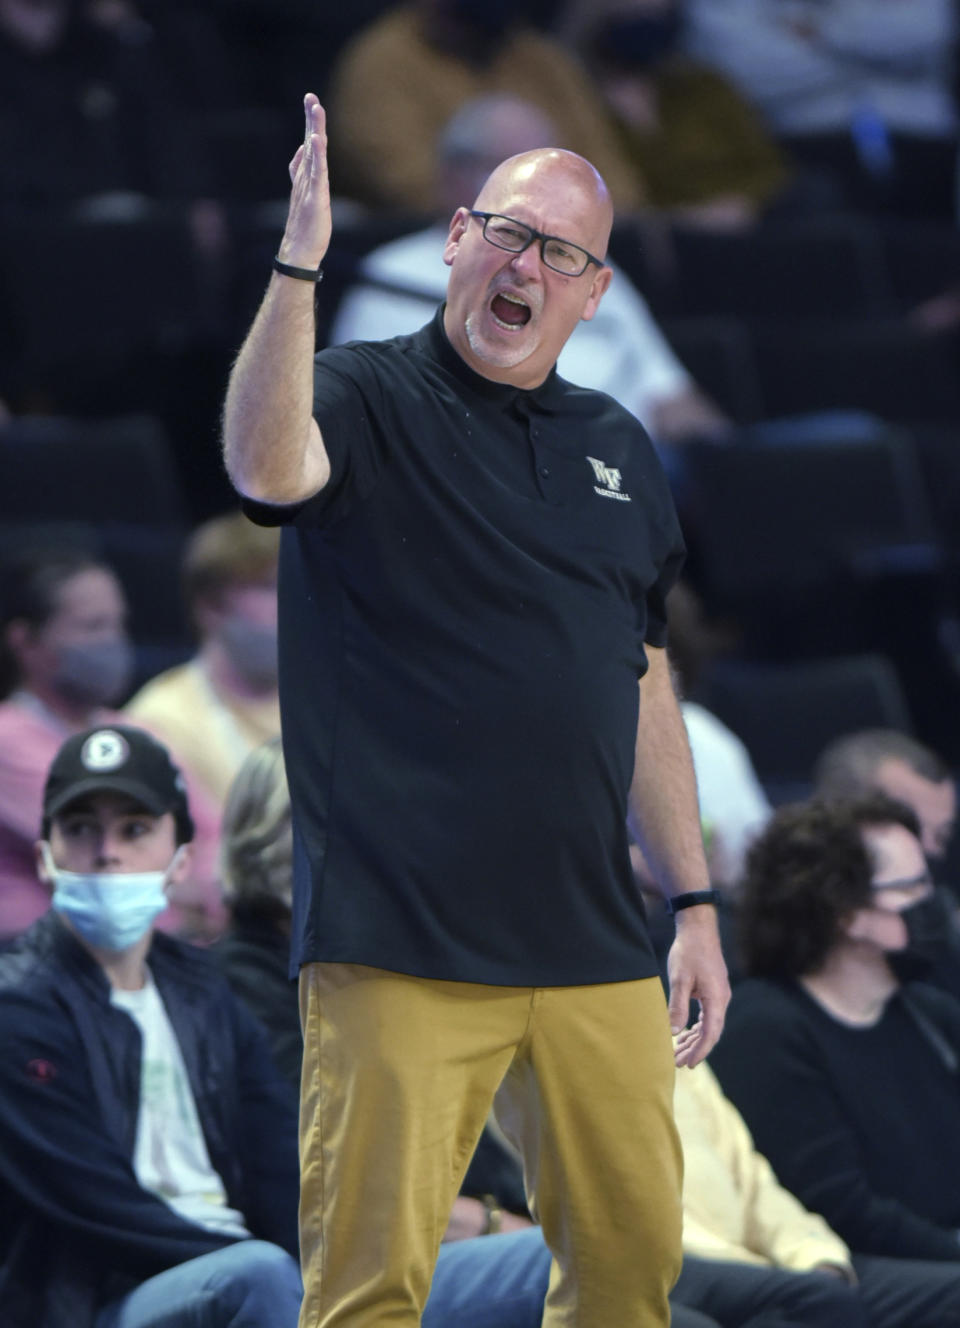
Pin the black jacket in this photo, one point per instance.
(76, 1228)
(254, 957)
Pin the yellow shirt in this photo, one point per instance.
(208, 732)
(734, 1208)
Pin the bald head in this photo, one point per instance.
(509, 311)
(570, 179)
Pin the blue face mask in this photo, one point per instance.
(94, 673)
(110, 910)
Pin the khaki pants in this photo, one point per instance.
(399, 1076)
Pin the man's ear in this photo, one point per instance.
(600, 283)
(458, 224)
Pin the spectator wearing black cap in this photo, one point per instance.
(148, 1146)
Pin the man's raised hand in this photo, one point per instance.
(307, 234)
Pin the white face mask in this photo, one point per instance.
(110, 910)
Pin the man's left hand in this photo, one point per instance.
(697, 972)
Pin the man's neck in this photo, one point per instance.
(853, 985)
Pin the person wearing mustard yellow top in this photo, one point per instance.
(215, 709)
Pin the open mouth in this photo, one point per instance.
(509, 310)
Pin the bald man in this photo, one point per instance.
(475, 697)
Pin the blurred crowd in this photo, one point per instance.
(784, 319)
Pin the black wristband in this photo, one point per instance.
(301, 273)
(691, 898)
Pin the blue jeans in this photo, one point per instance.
(251, 1284)
(489, 1282)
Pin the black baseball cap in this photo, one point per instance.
(120, 759)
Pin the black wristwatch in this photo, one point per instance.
(314, 274)
(691, 898)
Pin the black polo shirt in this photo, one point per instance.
(463, 611)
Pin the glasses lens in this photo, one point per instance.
(507, 234)
(565, 258)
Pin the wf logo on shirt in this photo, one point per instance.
(609, 481)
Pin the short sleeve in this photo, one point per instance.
(347, 406)
(656, 633)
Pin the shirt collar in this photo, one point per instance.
(435, 341)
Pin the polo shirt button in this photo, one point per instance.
(544, 471)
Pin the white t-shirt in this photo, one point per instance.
(170, 1158)
(733, 804)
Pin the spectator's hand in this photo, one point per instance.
(307, 234)
(469, 1218)
(697, 972)
(837, 1270)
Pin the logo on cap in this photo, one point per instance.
(104, 750)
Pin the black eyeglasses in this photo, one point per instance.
(515, 236)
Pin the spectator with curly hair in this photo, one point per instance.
(845, 1067)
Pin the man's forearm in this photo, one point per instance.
(271, 444)
(664, 812)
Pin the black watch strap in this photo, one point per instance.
(314, 274)
(691, 898)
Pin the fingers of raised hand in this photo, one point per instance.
(312, 113)
(309, 154)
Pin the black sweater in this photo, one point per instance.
(862, 1124)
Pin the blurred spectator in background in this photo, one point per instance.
(400, 80)
(213, 710)
(844, 1064)
(621, 350)
(65, 658)
(256, 867)
(897, 765)
(886, 761)
(860, 87)
(701, 152)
